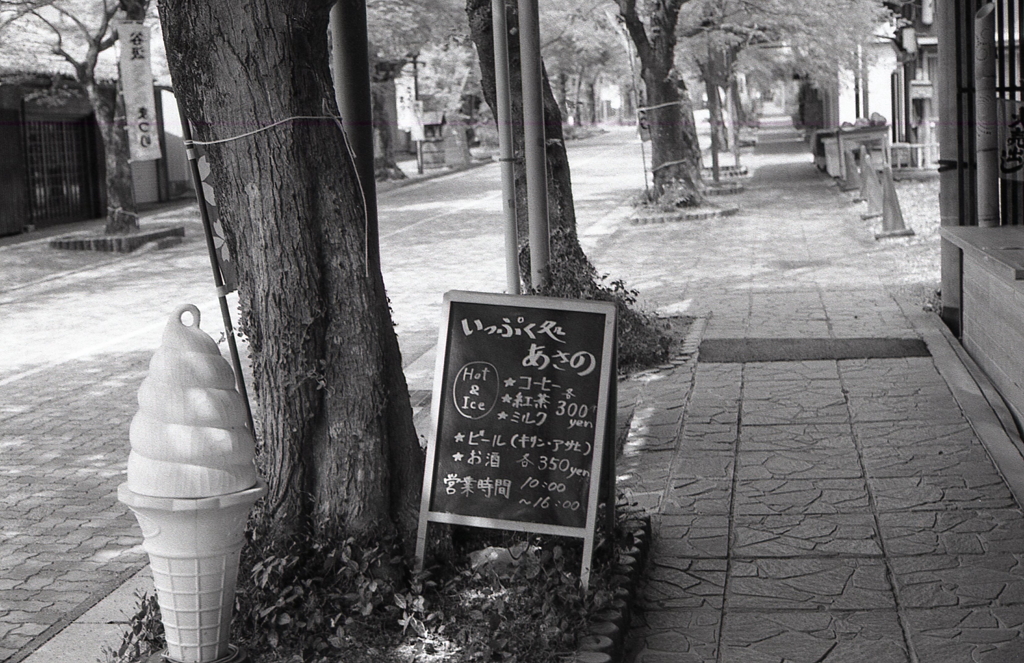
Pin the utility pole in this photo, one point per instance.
(418, 111)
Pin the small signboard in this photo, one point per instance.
(521, 405)
(643, 125)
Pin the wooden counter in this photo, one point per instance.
(993, 303)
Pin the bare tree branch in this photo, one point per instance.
(82, 27)
(19, 9)
(108, 14)
(635, 27)
(59, 48)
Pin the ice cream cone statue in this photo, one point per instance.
(191, 483)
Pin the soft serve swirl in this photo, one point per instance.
(190, 437)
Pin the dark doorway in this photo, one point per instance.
(60, 169)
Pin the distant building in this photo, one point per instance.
(914, 92)
(898, 85)
(51, 161)
(854, 95)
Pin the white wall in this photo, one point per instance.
(878, 86)
(144, 180)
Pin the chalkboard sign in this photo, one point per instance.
(520, 405)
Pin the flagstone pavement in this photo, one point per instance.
(829, 510)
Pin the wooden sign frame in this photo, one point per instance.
(600, 461)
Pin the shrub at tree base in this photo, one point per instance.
(643, 342)
(318, 601)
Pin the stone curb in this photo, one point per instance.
(727, 172)
(684, 215)
(727, 188)
(54, 629)
(606, 636)
(974, 392)
(118, 243)
(389, 185)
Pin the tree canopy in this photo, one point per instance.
(401, 28)
(818, 39)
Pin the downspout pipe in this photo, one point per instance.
(949, 159)
(986, 125)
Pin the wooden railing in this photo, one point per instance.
(914, 155)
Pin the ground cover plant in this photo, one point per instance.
(319, 601)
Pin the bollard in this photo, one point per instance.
(892, 215)
(852, 180)
(862, 195)
(872, 188)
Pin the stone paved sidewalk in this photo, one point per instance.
(813, 511)
(77, 331)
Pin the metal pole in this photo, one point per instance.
(350, 55)
(535, 142)
(218, 278)
(985, 114)
(949, 158)
(417, 108)
(507, 149)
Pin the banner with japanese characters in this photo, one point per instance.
(1011, 140)
(521, 402)
(137, 88)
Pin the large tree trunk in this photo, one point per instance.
(385, 166)
(382, 100)
(577, 107)
(716, 71)
(338, 446)
(675, 151)
(563, 91)
(592, 99)
(108, 106)
(714, 122)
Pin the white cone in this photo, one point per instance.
(194, 547)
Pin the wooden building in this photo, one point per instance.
(52, 167)
(981, 164)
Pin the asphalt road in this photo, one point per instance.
(448, 233)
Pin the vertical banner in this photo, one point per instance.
(1011, 140)
(137, 88)
(224, 262)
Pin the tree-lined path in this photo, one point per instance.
(77, 331)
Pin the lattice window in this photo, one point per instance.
(58, 180)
